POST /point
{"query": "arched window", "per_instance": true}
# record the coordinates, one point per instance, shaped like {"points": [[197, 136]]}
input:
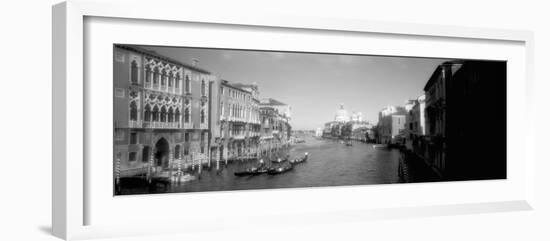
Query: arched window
{"points": [[133, 111], [170, 81], [147, 113], [203, 116], [203, 88], [156, 76], [163, 79], [187, 84], [134, 72], [186, 115], [187, 112], [163, 114], [177, 116], [170, 115], [178, 77], [156, 113], [148, 75]]}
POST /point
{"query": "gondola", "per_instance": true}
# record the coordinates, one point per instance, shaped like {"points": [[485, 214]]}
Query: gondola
{"points": [[279, 160], [299, 160], [261, 170], [247, 172], [279, 170]]}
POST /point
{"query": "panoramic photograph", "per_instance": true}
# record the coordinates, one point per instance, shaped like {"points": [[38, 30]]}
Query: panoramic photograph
{"points": [[190, 119]]}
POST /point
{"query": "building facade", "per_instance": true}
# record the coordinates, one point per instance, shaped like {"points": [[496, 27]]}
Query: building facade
{"points": [[415, 124], [391, 123], [275, 126], [466, 120], [161, 111], [239, 121]]}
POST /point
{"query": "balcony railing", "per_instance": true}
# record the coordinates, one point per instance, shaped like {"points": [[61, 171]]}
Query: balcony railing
{"points": [[148, 85], [203, 126], [135, 124], [177, 90], [161, 125], [188, 125]]}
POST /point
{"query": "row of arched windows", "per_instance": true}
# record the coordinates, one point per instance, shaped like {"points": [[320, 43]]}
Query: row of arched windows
{"points": [[164, 77], [155, 113], [239, 111]]}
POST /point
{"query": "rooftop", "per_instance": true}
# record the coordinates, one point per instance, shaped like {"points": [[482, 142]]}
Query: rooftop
{"points": [[154, 54], [234, 86], [271, 101]]}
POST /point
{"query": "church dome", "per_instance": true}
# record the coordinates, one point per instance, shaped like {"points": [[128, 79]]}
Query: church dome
{"points": [[341, 114]]}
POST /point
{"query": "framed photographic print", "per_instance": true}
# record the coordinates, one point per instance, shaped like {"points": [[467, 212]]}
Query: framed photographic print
{"points": [[204, 117]]}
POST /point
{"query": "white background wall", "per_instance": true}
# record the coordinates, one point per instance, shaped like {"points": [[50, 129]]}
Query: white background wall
{"points": [[25, 154]]}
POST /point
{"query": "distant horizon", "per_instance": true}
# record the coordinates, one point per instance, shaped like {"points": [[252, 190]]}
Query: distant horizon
{"points": [[315, 84]]}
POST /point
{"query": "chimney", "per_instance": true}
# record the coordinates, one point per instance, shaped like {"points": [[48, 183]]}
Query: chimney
{"points": [[194, 62]]}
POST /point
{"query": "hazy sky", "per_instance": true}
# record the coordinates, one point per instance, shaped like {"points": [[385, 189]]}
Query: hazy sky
{"points": [[314, 85]]}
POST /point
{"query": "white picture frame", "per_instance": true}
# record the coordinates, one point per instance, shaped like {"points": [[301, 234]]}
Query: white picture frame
{"points": [[72, 193]]}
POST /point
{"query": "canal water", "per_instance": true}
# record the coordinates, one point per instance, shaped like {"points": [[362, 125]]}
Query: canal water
{"points": [[330, 163]]}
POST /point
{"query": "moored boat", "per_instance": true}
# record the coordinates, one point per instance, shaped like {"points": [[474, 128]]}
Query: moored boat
{"points": [[280, 169], [279, 160], [299, 160], [247, 172], [380, 146]]}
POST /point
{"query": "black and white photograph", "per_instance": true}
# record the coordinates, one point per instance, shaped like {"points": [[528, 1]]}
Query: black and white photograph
{"points": [[190, 119]]}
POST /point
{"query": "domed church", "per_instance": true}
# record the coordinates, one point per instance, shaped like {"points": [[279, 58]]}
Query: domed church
{"points": [[342, 115]]}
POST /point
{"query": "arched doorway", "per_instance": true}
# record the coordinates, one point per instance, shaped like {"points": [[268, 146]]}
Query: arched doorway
{"points": [[162, 149]]}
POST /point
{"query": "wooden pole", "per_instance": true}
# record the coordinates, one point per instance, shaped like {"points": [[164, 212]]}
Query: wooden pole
{"points": [[170, 164], [218, 153]]}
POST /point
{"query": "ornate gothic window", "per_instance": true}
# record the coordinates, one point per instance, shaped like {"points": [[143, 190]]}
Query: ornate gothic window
{"points": [[155, 113], [133, 111], [203, 116], [147, 75], [170, 81], [177, 116], [187, 112], [163, 78], [187, 84], [134, 72], [178, 77], [203, 88], [147, 113], [163, 114], [170, 115], [156, 76]]}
